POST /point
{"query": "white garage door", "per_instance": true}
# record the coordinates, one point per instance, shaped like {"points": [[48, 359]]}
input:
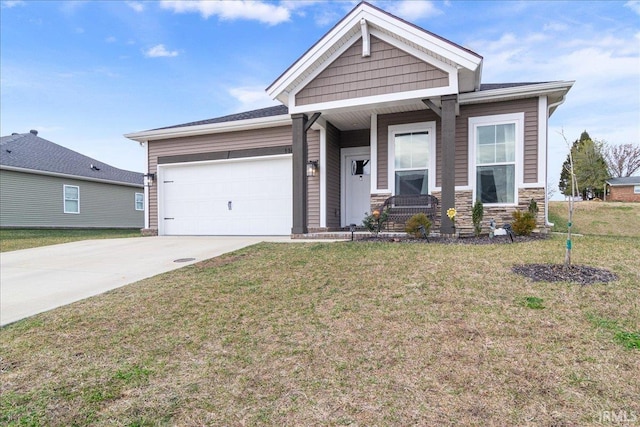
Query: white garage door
{"points": [[240, 197]]}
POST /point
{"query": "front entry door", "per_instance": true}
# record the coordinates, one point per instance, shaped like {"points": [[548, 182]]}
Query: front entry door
{"points": [[356, 173]]}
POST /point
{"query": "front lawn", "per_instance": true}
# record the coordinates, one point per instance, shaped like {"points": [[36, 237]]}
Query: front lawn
{"points": [[14, 239], [346, 333]]}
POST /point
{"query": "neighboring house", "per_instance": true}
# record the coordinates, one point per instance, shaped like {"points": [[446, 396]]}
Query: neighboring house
{"points": [[377, 107], [625, 189], [44, 185]]}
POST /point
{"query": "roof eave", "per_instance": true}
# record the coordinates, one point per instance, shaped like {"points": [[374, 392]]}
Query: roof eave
{"points": [[211, 128], [559, 88], [65, 175], [463, 57]]}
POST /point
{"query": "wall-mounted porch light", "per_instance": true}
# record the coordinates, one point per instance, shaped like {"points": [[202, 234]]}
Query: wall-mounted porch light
{"points": [[312, 167], [149, 178]]}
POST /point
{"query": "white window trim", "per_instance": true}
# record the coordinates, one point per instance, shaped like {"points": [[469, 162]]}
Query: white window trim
{"points": [[499, 119], [636, 189], [135, 201], [64, 199], [429, 127]]}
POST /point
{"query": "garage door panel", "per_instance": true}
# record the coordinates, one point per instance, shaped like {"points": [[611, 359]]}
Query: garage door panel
{"points": [[197, 198]]}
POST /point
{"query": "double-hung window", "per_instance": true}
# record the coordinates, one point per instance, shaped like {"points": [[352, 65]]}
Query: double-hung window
{"points": [[139, 201], [411, 150], [496, 141], [71, 199]]}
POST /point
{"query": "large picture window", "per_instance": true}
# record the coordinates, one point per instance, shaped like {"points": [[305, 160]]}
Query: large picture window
{"points": [[495, 144], [411, 163], [71, 199]]}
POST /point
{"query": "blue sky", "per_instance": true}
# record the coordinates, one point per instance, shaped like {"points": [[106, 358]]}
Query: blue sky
{"points": [[83, 73]]}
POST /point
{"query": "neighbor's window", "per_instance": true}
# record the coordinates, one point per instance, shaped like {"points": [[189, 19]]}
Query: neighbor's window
{"points": [[71, 199], [411, 163], [139, 201], [636, 189], [494, 144]]}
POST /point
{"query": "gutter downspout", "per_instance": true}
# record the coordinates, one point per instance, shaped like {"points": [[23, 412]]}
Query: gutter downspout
{"points": [[146, 188], [546, 193]]}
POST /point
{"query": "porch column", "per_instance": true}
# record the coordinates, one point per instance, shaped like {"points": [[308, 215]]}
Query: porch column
{"points": [[299, 151], [448, 178]]}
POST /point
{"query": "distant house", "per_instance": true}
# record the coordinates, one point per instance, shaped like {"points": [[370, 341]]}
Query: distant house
{"points": [[43, 184], [378, 107], [625, 189]]}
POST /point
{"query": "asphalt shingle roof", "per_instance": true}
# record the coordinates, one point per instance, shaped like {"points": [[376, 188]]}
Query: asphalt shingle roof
{"points": [[628, 180], [29, 151], [279, 110]]}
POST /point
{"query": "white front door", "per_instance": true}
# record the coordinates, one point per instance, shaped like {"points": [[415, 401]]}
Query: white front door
{"points": [[356, 179]]}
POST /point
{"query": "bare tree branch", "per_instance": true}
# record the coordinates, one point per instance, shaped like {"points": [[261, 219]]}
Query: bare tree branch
{"points": [[622, 160]]}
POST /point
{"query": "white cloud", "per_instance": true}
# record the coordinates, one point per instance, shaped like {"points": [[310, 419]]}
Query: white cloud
{"points": [[252, 97], [159, 51], [136, 5], [110, 39], [231, 10], [633, 5], [12, 3], [555, 27], [414, 9]]}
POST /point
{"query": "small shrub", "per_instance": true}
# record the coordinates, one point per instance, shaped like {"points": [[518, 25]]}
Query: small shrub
{"points": [[373, 222], [413, 225], [476, 216], [533, 208], [523, 223]]}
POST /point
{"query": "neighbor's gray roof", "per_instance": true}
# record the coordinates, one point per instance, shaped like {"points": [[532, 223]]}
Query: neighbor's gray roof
{"points": [[29, 151], [279, 110], [629, 180]]}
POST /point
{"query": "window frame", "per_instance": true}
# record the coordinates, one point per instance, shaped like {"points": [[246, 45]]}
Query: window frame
{"points": [[636, 189], [65, 199], [135, 201], [495, 120], [393, 130]]}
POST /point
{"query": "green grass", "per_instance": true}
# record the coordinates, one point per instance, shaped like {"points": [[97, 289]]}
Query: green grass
{"points": [[338, 334], [14, 239], [597, 218]]}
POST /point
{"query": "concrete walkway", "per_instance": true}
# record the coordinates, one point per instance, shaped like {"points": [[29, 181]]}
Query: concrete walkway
{"points": [[40, 279]]}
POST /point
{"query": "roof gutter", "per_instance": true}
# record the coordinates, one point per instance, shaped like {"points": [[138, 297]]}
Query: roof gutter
{"points": [[207, 129], [527, 91], [554, 105], [64, 175]]}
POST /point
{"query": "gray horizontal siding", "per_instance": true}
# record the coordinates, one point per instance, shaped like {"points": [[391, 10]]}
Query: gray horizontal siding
{"points": [[387, 70], [313, 183], [30, 200]]}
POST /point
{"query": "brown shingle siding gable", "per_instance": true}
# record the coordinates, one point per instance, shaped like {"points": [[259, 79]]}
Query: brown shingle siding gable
{"points": [[387, 70]]}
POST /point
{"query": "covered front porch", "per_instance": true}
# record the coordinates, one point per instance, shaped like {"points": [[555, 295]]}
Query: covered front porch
{"points": [[347, 165]]}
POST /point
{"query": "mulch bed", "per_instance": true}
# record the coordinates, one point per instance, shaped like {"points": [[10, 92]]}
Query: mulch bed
{"points": [[462, 240], [581, 274]]}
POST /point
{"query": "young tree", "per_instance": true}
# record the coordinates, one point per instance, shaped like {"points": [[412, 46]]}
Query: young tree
{"points": [[622, 160], [589, 166], [574, 186]]}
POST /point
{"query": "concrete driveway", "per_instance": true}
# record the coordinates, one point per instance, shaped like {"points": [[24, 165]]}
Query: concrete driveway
{"points": [[40, 279]]}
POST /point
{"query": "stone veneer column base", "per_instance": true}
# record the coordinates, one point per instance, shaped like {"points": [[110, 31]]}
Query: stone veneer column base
{"points": [[149, 232], [377, 200]]}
